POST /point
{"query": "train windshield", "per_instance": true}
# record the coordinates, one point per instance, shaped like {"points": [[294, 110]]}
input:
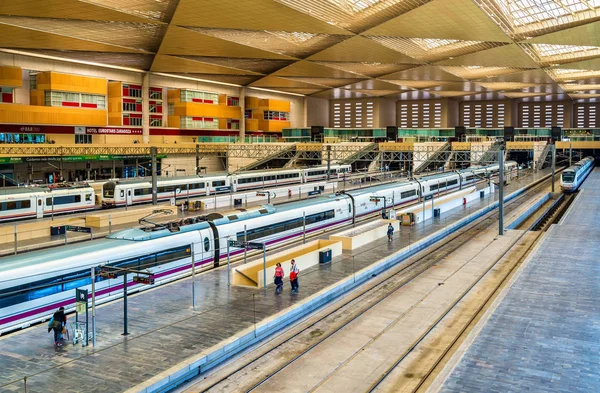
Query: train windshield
{"points": [[568, 177], [108, 190]]}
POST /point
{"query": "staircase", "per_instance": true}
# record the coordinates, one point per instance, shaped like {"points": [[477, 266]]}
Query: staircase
{"points": [[289, 153], [436, 160], [369, 152], [543, 156], [491, 155]]}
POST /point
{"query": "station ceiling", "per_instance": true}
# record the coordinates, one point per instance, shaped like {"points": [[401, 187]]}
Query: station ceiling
{"points": [[399, 49]]}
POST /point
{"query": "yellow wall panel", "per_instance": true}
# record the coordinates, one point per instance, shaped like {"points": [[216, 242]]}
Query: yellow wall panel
{"points": [[251, 124], [115, 119], [272, 125], [274, 105], [174, 121], [71, 83], [11, 76], [222, 124], [115, 90], [251, 103], [207, 110], [115, 105], [36, 97], [28, 114], [173, 95]]}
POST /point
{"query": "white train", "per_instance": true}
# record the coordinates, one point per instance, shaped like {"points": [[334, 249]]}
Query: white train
{"points": [[33, 285], [130, 192], [17, 203], [573, 176]]}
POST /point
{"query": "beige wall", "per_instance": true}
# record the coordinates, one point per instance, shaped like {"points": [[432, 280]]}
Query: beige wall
{"points": [[387, 112], [318, 112]]}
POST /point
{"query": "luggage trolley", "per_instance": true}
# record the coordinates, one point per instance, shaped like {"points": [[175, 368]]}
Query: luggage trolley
{"points": [[79, 332]]}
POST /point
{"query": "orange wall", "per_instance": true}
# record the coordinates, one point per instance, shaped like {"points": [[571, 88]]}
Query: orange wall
{"points": [[274, 105], [71, 83], [11, 76], [251, 103], [26, 114], [251, 124], [36, 97], [272, 125], [207, 110]]}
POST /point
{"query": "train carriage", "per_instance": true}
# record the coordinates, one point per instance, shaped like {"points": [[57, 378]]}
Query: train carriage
{"points": [[573, 176]]}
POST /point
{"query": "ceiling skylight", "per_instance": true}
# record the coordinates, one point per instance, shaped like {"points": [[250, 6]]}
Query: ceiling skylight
{"points": [[355, 6], [549, 50], [568, 74]]}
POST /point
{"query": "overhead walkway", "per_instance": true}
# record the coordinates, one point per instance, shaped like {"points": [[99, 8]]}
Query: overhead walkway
{"points": [[279, 159], [491, 155]]}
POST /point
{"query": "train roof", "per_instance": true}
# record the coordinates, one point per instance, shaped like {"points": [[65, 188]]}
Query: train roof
{"points": [[32, 190], [33, 258]]}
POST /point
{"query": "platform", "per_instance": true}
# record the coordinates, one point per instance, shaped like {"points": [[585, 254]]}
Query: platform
{"points": [[165, 331], [542, 333]]}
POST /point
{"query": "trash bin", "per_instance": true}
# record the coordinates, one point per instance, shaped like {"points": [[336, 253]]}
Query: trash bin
{"points": [[325, 256], [237, 202], [58, 230], [436, 212]]}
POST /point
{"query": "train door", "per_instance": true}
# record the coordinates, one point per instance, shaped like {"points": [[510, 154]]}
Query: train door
{"points": [[129, 196], [39, 207], [234, 185]]}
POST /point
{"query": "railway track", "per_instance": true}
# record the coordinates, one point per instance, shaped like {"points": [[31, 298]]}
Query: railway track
{"points": [[273, 359]]}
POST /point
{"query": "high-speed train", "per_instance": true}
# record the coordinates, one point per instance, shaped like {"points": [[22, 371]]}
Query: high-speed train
{"points": [[122, 192], [17, 203], [34, 284], [573, 176]]}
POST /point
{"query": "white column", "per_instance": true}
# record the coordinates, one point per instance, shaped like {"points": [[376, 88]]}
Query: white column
{"points": [[243, 111], [146, 108]]}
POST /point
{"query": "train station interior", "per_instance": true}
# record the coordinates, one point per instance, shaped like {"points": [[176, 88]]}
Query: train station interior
{"points": [[189, 146]]}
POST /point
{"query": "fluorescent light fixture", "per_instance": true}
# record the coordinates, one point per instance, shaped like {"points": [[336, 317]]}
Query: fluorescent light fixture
{"points": [[67, 60], [194, 79], [276, 91]]}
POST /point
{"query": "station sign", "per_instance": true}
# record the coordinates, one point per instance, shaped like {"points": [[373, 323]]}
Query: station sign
{"points": [[428, 197], [81, 300], [106, 273], [143, 280], [261, 194], [247, 245], [75, 228], [316, 192], [223, 188]]}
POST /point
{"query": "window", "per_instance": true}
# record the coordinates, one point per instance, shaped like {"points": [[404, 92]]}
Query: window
{"points": [[233, 124], [233, 101], [132, 119], [199, 123], [13, 205], [63, 200], [270, 230], [6, 95], [88, 197], [93, 101], [156, 121], [83, 139], [132, 91], [171, 109], [22, 138], [206, 244], [407, 194], [142, 191], [248, 114], [155, 107], [155, 93], [274, 115], [218, 183], [61, 98], [199, 97]]}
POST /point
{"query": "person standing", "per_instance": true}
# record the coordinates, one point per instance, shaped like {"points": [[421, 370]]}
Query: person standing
{"points": [[279, 274], [294, 271], [390, 232], [58, 323]]}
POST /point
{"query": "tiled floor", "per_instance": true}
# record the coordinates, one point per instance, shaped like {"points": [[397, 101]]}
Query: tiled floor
{"points": [[545, 334]]}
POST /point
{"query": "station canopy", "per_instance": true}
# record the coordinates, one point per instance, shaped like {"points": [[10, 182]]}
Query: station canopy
{"points": [[399, 49]]}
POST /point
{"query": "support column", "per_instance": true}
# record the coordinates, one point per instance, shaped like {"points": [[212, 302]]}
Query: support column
{"points": [[154, 176], [305, 112], [146, 108], [243, 112]]}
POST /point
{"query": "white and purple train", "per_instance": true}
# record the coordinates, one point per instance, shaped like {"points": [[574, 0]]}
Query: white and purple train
{"points": [[573, 176], [34, 284]]}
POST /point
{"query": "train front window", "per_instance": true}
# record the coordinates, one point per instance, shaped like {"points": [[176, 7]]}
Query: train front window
{"points": [[568, 177], [108, 190]]}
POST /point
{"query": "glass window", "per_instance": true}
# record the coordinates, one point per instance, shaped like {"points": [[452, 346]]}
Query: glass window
{"points": [[206, 244]]}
